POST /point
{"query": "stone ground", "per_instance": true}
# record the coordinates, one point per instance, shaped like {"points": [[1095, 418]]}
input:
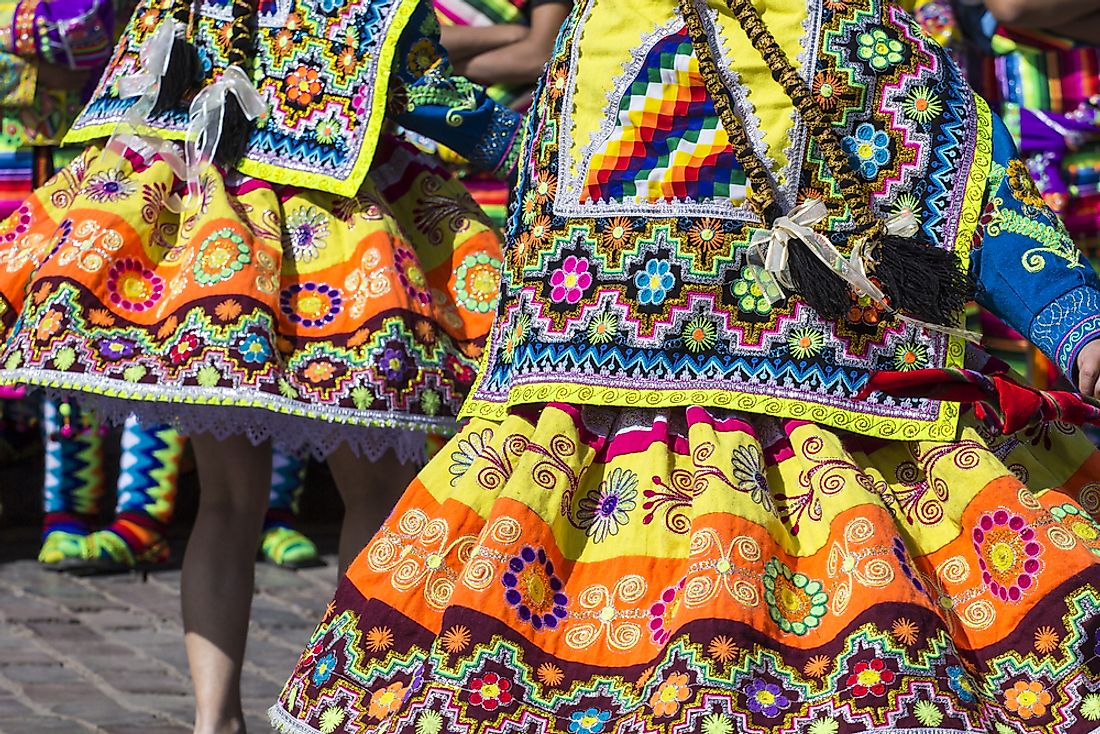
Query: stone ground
{"points": [[105, 654]]}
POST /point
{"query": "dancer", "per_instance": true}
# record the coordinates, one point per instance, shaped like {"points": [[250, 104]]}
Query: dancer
{"points": [[708, 485], [298, 276]]}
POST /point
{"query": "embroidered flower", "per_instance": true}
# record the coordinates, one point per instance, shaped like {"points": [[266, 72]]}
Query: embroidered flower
{"points": [[868, 149], [603, 328], [477, 282], [717, 724], [533, 590], [723, 649], [539, 230], [870, 678], [1027, 699], [864, 311], [766, 698], [1046, 640], [183, 348], [558, 82], [385, 701], [311, 304], [589, 721], [879, 49], [753, 295], [828, 88], [303, 85], [795, 602], [331, 718], [16, 224], [456, 639], [132, 286], [928, 713], [322, 671], [347, 61], [412, 276], [1079, 523], [654, 282], [699, 334], [569, 282], [959, 682], [817, 666], [255, 349], [670, 694], [329, 6], [605, 509], [319, 371], [1008, 553], [48, 325], [910, 355], [617, 234], [907, 204], [922, 105], [220, 255], [1090, 707], [305, 232], [490, 691], [394, 363], [108, 186], [550, 675], [116, 348], [824, 725], [463, 373], [707, 236], [904, 631], [806, 342], [663, 612], [430, 402], [545, 186], [747, 467], [422, 56]]}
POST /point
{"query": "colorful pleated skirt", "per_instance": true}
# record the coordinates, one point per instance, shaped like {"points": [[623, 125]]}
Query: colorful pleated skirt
{"points": [[601, 570], [248, 308]]}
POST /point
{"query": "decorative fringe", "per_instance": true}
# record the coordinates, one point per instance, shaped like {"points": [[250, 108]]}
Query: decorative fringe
{"points": [[184, 73], [236, 131], [922, 280], [821, 289]]}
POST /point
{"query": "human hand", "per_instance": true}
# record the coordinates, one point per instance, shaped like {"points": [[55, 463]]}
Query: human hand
{"points": [[1088, 369]]}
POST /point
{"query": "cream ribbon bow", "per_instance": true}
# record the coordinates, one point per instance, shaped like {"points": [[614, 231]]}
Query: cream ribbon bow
{"points": [[204, 131], [771, 245]]}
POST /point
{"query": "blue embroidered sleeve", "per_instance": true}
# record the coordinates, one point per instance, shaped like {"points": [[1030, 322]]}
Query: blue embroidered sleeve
{"points": [[451, 109], [1027, 269]]}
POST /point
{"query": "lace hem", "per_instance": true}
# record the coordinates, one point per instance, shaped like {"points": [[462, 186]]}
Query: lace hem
{"points": [[292, 434]]}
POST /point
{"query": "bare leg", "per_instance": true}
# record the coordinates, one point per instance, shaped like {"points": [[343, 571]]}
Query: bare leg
{"points": [[369, 492], [218, 573]]}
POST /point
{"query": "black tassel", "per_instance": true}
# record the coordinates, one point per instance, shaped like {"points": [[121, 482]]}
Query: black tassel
{"points": [[183, 74], [236, 131], [819, 287], [922, 280]]}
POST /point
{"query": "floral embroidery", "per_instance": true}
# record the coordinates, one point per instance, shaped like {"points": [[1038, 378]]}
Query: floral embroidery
{"points": [[1008, 553], [870, 678], [795, 602], [605, 509], [654, 282], [589, 721], [754, 294], [311, 304], [221, 255], [669, 695], [1027, 699], [477, 282], [766, 698], [533, 590], [868, 149], [879, 49], [490, 691], [569, 282], [305, 233]]}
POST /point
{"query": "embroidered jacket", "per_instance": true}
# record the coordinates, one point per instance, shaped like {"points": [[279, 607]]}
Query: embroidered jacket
{"points": [[326, 68], [627, 279]]}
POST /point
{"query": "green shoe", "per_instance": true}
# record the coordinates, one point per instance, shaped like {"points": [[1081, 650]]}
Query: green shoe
{"points": [[105, 551], [61, 550], [288, 548]]}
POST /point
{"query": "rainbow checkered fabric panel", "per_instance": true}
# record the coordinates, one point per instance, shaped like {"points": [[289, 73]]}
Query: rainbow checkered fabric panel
{"points": [[668, 143]]}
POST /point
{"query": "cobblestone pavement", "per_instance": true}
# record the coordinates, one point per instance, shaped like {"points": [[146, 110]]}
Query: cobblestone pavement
{"points": [[105, 654]]}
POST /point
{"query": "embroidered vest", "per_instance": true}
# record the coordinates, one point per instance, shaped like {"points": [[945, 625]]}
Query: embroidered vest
{"points": [[318, 66], [628, 279]]}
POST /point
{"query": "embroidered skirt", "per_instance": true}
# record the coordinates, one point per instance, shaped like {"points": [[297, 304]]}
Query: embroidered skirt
{"points": [[276, 312], [599, 570]]}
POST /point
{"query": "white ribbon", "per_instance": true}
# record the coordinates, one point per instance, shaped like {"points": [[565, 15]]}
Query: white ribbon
{"points": [[204, 131], [771, 247], [902, 224], [132, 131]]}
